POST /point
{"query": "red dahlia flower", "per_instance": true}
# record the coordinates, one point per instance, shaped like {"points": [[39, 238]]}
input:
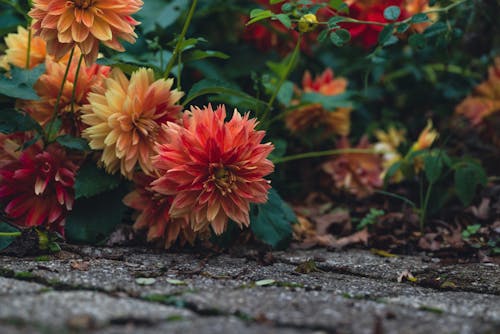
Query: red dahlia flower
{"points": [[214, 169], [152, 213], [37, 189]]}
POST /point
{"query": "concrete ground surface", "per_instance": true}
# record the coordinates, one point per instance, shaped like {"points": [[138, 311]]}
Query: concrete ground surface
{"points": [[133, 290]]}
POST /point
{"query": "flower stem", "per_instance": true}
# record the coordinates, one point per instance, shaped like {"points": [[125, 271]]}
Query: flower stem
{"points": [[423, 210], [28, 51], [10, 234], [58, 100], [75, 82], [177, 48], [282, 79], [317, 154]]}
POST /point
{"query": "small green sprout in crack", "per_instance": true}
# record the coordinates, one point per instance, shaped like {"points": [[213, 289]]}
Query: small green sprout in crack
{"points": [[24, 275], [431, 309]]}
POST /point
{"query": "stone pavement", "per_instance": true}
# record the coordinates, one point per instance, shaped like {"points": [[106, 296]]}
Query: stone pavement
{"points": [[134, 290]]}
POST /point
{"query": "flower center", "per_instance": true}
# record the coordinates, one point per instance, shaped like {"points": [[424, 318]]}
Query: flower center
{"points": [[82, 4], [46, 167], [147, 127], [222, 178]]}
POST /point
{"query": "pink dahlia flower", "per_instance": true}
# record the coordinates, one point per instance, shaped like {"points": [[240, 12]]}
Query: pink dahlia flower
{"points": [[66, 23], [37, 189], [152, 213], [214, 169]]}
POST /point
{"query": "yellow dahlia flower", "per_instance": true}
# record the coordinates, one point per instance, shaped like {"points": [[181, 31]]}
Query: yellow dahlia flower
{"points": [[125, 118], [17, 50], [66, 23]]}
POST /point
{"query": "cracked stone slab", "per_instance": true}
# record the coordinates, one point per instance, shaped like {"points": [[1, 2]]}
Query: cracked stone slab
{"points": [[83, 310], [325, 311], [9, 286], [477, 277], [205, 325]]}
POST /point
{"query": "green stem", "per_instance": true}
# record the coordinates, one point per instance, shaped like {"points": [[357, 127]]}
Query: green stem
{"points": [[282, 79], [58, 100], [423, 212], [317, 154], [402, 198], [10, 234], [28, 51], [177, 48], [75, 83]]}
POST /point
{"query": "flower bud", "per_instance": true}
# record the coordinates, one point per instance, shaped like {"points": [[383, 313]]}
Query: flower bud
{"points": [[308, 23]]}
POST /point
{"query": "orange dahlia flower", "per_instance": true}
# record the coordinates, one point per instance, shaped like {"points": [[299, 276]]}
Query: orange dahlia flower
{"points": [[313, 116], [17, 50], [66, 23], [358, 173], [485, 100], [124, 119], [152, 213], [48, 86], [214, 169], [37, 189]]}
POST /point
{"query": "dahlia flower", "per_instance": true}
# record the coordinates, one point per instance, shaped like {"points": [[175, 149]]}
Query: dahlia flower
{"points": [[66, 23], [17, 50], [387, 146], [124, 119], [313, 116], [37, 189], [358, 173], [214, 169], [48, 86], [485, 100]]}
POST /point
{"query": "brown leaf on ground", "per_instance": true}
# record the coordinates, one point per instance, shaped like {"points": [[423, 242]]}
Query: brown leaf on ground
{"points": [[360, 237], [79, 265], [406, 276], [481, 211]]}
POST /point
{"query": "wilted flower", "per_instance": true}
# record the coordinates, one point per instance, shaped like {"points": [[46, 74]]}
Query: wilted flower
{"points": [[426, 137], [313, 115], [214, 169], [152, 213], [387, 146], [124, 119], [357, 173], [66, 23], [37, 189], [485, 100], [49, 85], [17, 50]]}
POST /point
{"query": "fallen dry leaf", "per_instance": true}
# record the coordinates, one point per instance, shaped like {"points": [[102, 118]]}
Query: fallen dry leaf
{"points": [[79, 265], [406, 276], [360, 237]]}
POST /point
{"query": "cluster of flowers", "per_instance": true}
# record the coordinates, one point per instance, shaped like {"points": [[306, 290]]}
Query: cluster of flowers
{"points": [[193, 170], [358, 173], [275, 36]]}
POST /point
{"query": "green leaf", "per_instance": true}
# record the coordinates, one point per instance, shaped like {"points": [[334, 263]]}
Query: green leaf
{"points": [[323, 35], [12, 121], [285, 93], [417, 41], [419, 18], [265, 282], [392, 40], [339, 6], [436, 29], [340, 37], [280, 146], [467, 178], [285, 20], [162, 13], [20, 83], [392, 13], [92, 180], [73, 143], [335, 20], [271, 221], [6, 241], [93, 219], [385, 34], [273, 2], [212, 86], [259, 15], [433, 166], [193, 55], [402, 28]]}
